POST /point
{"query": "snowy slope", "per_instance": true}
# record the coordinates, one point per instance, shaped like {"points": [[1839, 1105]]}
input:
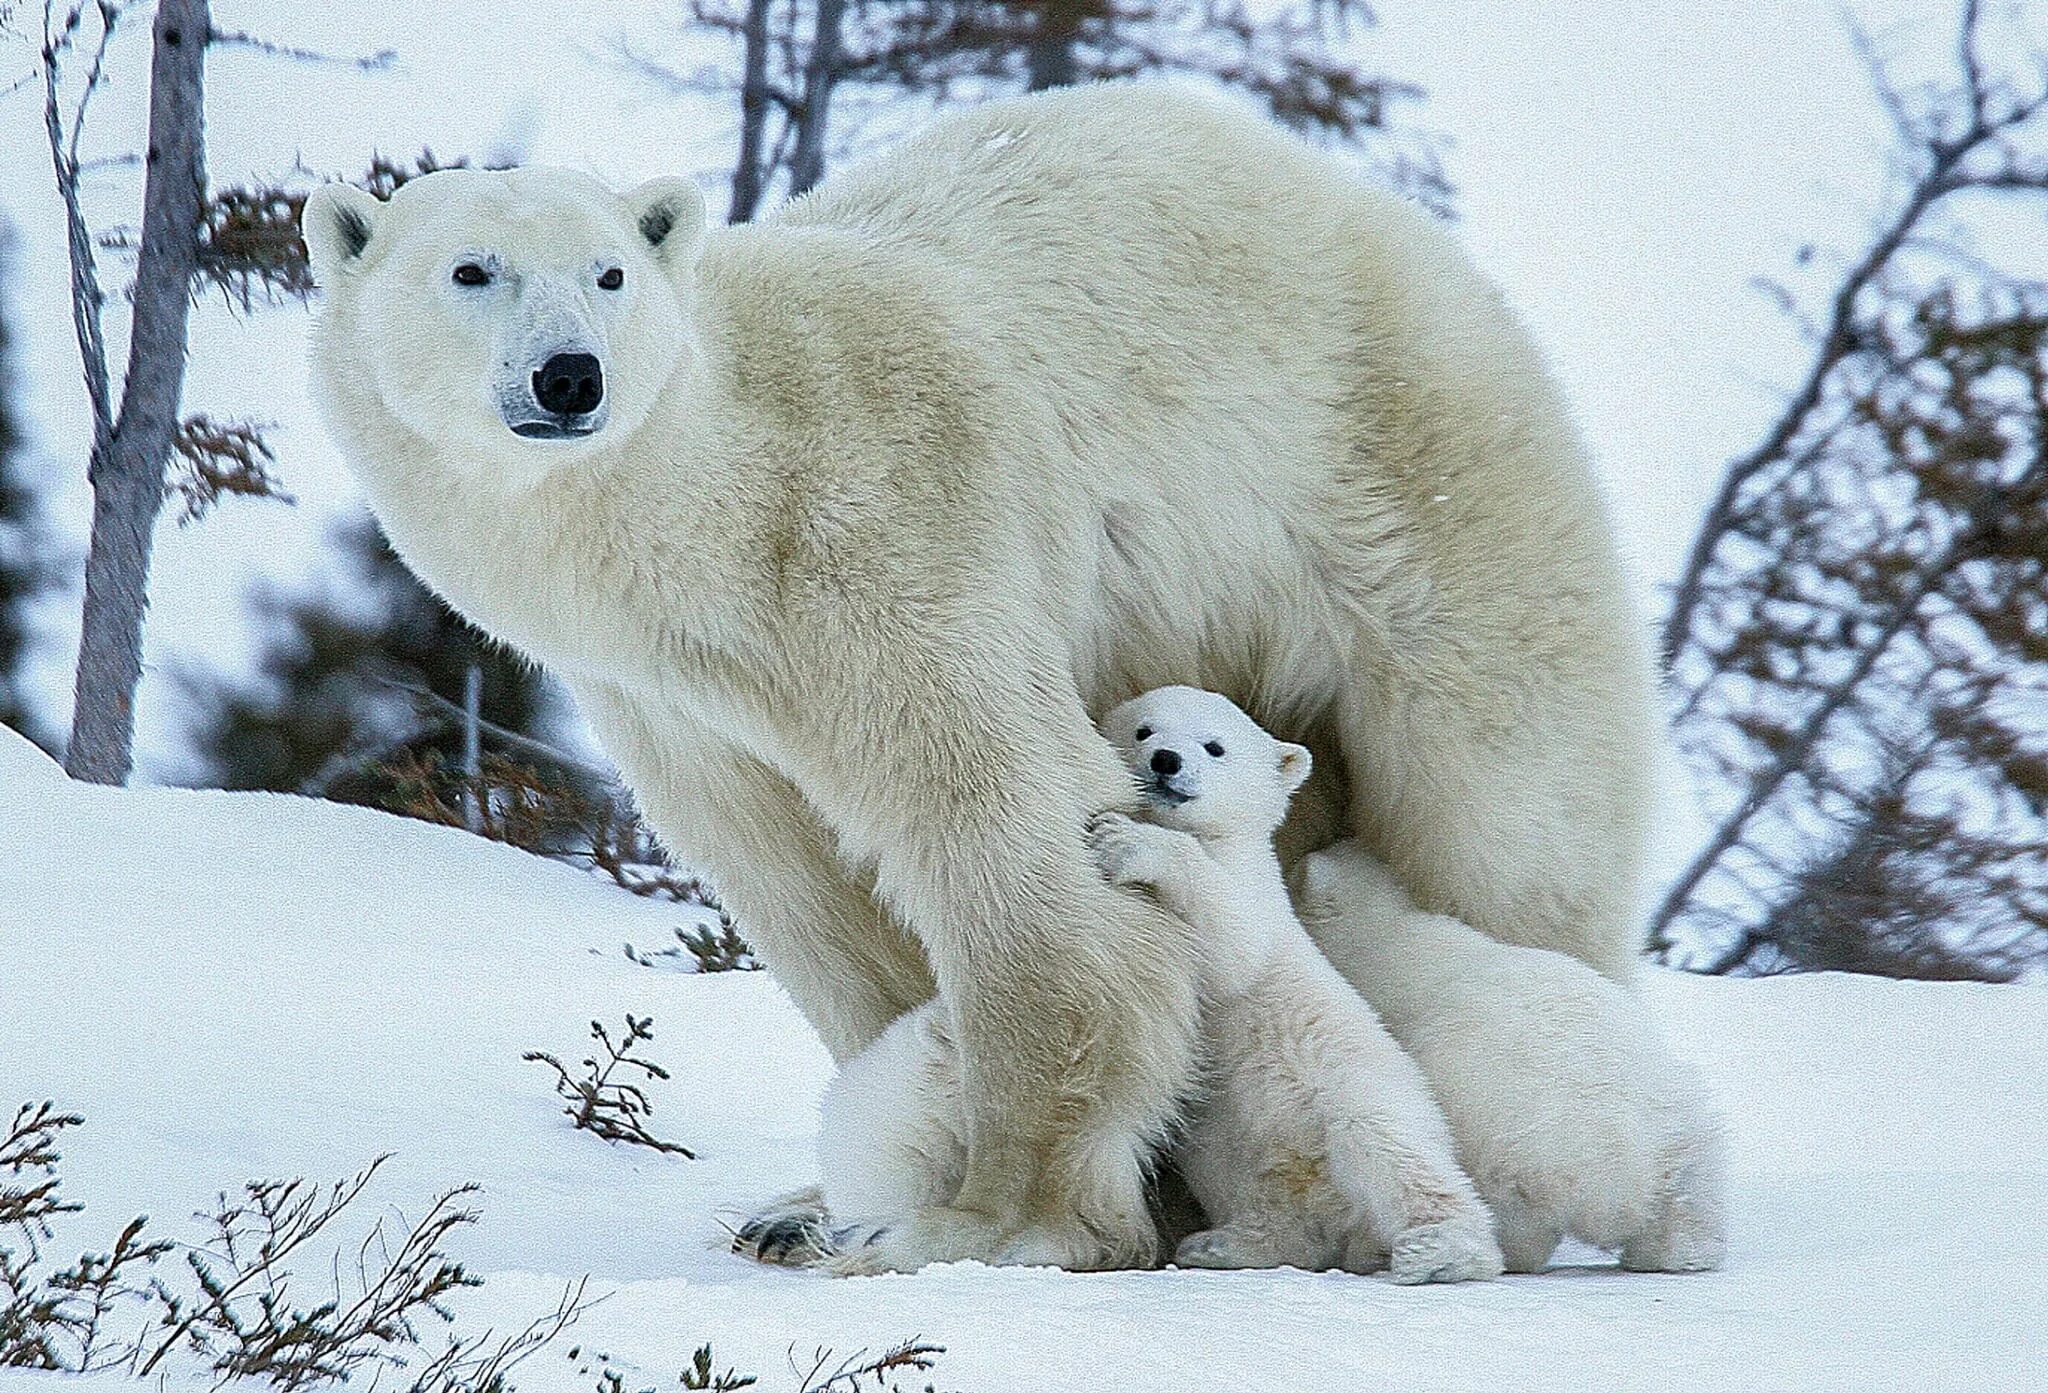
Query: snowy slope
{"points": [[241, 985]]}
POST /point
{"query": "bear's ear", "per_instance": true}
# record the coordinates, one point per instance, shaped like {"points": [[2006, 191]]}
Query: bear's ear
{"points": [[669, 213], [1295, 763], [337, 223]]}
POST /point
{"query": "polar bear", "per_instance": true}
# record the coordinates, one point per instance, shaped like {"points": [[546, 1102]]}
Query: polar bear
{"points": [[1571, 1115], [842, 526], [1314, 1141]]}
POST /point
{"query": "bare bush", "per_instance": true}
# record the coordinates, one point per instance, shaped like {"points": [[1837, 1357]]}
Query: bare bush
{"points": [[242, 1323], [216, 459], [705, 948], [877, 1373], [609, 1107], [827, 1372], [1859, 637], [238, 1318], [526, 806], [57, 1320]]}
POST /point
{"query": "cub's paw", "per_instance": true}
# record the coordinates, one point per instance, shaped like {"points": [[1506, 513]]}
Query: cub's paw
{"points": [[1131, 852], [1456, 1250], [1677, 1248]]}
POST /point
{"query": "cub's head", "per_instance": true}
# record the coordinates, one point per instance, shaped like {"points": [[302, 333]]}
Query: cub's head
{"points": [[515, 318], [1202, 765]]}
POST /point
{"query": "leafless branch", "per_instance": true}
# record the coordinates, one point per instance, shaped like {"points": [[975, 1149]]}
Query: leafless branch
{"points": [[379, 61]]}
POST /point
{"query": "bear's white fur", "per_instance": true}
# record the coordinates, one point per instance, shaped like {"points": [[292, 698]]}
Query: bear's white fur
{"points": [[1571, 1115], [1314, 1142], [1064, 399]]}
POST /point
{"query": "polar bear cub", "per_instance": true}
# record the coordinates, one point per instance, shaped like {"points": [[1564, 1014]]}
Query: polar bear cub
{"points": [[1570, 1114], [1315, 1143]]}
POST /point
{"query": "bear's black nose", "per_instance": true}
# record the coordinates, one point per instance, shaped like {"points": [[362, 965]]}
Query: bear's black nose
{"points": [[1165, 762], [569, 384]]}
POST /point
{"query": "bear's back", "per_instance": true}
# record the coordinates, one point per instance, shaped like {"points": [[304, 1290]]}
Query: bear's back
{"points": [[1140, 212], [1113, 160]]}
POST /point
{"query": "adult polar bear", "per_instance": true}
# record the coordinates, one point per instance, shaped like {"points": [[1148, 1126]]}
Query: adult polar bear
{"points": [[842, 525]]}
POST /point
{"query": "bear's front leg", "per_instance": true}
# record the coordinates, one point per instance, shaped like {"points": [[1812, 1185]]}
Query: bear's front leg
{"points": [[820, 933], [1072, 1002]]}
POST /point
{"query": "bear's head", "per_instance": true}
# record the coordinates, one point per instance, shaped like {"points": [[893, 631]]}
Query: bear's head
{"points": [[510, 319], [1203, 765]]}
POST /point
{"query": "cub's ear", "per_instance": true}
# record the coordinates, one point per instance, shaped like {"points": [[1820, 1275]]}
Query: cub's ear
{"points": [[1295, 763], [669, 213], [337, 223]]}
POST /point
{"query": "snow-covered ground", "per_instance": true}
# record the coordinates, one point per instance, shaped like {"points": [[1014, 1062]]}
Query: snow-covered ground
{"points": [[231, 986]]}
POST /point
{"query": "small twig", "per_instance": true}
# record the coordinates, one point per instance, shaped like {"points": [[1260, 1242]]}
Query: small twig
{"points": [[910, 1356], [379, 61], [602, 1106], [442, 706]]}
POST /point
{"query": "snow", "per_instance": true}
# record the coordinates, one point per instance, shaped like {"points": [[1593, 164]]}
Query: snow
{"points": [[230, 986]]}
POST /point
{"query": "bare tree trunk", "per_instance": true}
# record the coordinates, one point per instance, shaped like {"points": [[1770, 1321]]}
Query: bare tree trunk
{"points": [[821, 75], [1049, 59], [127, 474], [750, 176]]}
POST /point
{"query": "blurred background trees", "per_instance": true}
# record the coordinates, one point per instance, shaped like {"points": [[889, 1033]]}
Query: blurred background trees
{"points": [[27, 569], [1858, 640], [814, 79], [367, 674]]}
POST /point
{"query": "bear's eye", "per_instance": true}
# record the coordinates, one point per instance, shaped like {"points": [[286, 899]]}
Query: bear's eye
{"points": [[1214, 748], [612, 279], [1142, 733], [469, 273]]}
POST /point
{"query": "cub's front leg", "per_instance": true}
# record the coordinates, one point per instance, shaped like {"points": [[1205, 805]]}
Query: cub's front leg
{"points": [[1130, 852], [1233, 937]]}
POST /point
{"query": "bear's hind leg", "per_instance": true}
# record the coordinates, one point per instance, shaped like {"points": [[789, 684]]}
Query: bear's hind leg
{"points": [[1512, 800]]}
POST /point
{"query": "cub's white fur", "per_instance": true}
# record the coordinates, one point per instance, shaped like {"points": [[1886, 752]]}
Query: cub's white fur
{"points": [[890, 492], [1571, 1115], [1314, 1142]]}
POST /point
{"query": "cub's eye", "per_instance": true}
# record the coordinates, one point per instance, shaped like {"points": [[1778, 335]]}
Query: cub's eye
{"points": [[469, 273], [1214, 748], [612, 279], [1142, 733]]}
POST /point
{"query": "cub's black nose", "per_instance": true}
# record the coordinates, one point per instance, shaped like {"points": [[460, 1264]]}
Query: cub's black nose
{"points": [[569, 384], [1165, 762]]}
